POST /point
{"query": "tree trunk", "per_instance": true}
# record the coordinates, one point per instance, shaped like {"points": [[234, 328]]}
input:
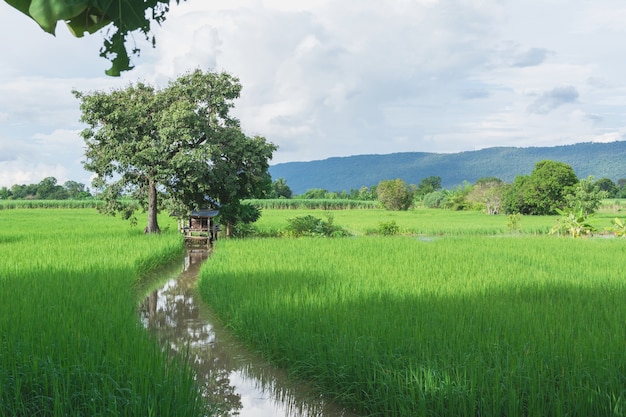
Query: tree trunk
{"points": [[153, 225]]}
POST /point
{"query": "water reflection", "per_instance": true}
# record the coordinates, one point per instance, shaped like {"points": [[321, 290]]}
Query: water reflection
{"points": [[233, 379]]}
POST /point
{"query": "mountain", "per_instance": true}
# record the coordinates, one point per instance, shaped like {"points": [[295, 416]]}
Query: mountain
{"points": [[602, 160]]}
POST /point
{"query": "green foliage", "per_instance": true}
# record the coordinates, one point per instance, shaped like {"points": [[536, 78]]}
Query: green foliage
{"points": [[180, 140], [586, 195], [389, 228], [362, 194], [280, 189], [428, 185], [456, 199], [315, 194], [619, 227], [543, 191], [89, 16], [435, 199], [607, 185], [395, 194], [514, 222], [46, 189], [573, 221], [312, 226]]}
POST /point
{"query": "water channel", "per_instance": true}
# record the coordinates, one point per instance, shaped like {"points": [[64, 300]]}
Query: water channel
{"points": [[234, 380]]}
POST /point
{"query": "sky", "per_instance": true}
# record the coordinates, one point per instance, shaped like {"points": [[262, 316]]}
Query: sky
{"points": [[328, 78]]}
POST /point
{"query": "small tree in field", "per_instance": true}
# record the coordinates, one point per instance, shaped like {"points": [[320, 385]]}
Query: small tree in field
{"points": [[587, 195], [573, 222], [543, 191], [395, 194]]}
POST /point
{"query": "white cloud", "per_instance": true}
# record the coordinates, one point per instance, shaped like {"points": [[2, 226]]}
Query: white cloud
{"points": [[323, 78]]}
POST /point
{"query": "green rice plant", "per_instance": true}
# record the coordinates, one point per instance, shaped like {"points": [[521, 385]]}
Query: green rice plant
{"points": [[419, 221], [316, 204], [453, 326], [40, 204], [71, 343]]}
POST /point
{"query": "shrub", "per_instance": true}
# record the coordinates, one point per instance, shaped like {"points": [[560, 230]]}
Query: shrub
{"points": [[395, 194], [389, 228], [619, 228], [573, 221], [436, 199], [513, 222], [312, 226]]}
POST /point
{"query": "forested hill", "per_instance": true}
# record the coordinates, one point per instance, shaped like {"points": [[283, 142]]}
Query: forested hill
{"points": [[602, 160]]}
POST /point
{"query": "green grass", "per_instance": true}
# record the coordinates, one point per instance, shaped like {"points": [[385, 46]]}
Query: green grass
{"points": [[71, 343], [47, 204], [454, 326], [423, 221], [323, 204]]}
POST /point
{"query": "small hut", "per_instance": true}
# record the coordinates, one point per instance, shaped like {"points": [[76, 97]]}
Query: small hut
{"points": [[200, 228]]}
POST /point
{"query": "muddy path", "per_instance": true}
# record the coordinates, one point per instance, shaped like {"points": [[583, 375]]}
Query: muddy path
{"points": [[236, 381]]}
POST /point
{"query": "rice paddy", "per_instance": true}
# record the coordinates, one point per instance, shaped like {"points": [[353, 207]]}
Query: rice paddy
{"points": [[444, 326], [71, 343], [457, 315]]}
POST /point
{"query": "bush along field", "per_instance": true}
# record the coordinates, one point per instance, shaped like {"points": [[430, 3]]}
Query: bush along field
{"points": [[71, 343], [440, 326]]}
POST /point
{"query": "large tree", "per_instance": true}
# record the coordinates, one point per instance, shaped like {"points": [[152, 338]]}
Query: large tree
{"points": [[89, 16], [428, 185], [179, 140], [543, 191]]}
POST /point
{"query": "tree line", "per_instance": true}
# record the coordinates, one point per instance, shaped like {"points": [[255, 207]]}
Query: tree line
{"points": [[551, 186], [46, 189]]}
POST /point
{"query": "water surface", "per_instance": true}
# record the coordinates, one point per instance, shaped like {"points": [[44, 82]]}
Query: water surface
{"points": [[236, 381]]}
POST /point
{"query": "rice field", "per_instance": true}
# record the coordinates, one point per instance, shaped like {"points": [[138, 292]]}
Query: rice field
{"points": [[420, 221], [71, 343], [48, 204], [426, 222], [458, 315], [435, 326]]}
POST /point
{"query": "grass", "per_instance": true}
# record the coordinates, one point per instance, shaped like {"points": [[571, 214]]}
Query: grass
{"points": [[423, 221], [457, 325], [70, 339], [323, 204], [48, 204]]}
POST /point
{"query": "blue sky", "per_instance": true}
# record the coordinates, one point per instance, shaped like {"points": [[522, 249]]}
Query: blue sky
{"points": [[326, 78]]}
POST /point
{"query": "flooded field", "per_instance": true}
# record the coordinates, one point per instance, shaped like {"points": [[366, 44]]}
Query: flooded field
{"points": [[234, 380]]}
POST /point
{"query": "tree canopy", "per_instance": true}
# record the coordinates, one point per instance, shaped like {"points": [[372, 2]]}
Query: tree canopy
{"points": [[180, 141], [395, 194], [543, 191], [428, 185], [46, 189], [89, 16]]}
